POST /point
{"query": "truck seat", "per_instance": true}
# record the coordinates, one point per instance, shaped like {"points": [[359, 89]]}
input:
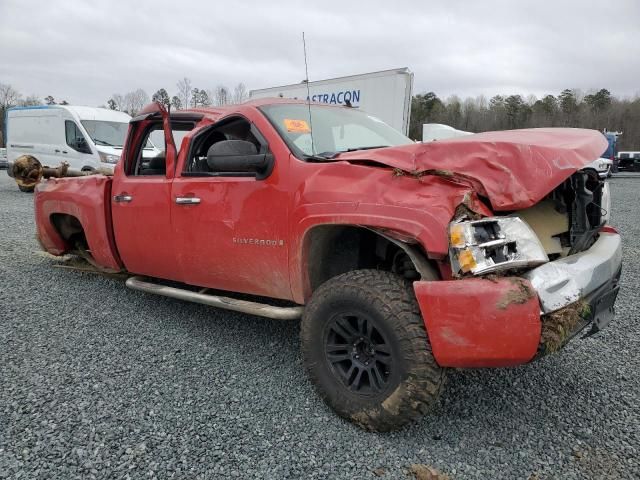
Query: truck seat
{"points": [[157, 166]]}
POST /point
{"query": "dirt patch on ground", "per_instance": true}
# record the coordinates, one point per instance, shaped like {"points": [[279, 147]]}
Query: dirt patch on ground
{"points": [[519, 295], [598, 462], [425, 472]]}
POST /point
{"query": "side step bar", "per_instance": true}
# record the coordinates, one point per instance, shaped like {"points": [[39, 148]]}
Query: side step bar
{"points": [[244, 306]]}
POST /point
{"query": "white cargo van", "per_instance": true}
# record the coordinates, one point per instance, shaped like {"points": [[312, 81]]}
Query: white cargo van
{"points": [[85, 137]]}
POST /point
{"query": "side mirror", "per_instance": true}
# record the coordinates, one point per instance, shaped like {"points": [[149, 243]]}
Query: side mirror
{"points": [[239, 156]]}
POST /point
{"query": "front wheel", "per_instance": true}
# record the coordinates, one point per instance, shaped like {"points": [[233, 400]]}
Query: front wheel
{"points": [[366, 350]]}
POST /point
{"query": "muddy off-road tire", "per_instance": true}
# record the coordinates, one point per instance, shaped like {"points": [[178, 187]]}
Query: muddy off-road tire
{"points": [[366, 350]]}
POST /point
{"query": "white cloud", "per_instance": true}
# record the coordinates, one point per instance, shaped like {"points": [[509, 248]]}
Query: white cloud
{"points": [[85, 51]]}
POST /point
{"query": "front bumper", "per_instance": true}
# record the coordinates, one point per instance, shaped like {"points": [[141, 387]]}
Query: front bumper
{"points": [[504, 321], [567, 280]]}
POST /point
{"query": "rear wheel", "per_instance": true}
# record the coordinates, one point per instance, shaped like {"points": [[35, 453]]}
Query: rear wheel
{"points": [[366, 350]]}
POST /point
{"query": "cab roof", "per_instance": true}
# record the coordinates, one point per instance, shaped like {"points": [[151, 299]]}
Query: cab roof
{"points": [[255, 103]]}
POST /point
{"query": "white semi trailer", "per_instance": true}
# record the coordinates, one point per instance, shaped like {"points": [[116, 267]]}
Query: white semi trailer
{"points": [[385, 94]]}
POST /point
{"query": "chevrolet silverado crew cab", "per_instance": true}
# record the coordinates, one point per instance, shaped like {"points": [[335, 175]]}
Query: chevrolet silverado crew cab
{"points": [[403, 259]]}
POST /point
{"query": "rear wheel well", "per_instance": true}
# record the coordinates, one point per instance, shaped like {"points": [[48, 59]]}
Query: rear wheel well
{"points": [[70, 230], [336, 249]]}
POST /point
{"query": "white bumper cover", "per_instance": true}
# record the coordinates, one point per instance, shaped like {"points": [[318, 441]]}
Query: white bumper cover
{"points": [[564, 281]]}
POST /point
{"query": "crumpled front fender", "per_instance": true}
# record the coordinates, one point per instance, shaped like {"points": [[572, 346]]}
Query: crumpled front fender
{"points": [[479, 322]]}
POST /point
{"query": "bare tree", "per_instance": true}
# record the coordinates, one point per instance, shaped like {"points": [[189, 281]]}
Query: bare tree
{"points": [[30, 101], [135, 100], [184, 91], [118, 101], [9, 96], [221, 95], [240, 93]]}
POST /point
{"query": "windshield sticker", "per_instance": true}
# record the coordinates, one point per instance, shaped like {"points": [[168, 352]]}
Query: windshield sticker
{"points": [[296, 126]]}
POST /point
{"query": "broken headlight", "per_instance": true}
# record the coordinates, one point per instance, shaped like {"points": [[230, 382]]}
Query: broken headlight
{"points": [[493, 243]]}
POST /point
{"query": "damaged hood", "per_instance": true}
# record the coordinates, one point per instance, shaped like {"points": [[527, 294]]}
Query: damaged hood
{"points": [[514, 169]]}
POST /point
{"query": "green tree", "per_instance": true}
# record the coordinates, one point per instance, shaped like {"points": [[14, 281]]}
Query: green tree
{"points": [[498, 112], [204, 98], [161, 96], [176, 103], [425, 108], [111, 104], [516, 110], [195, 97], [453, 111], [49, 100], [568, 101], [568, 106], [549, 105], [427, 102], [599, 101]]}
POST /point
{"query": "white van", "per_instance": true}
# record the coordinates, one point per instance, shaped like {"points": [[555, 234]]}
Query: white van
{"points": [[85, 137]]}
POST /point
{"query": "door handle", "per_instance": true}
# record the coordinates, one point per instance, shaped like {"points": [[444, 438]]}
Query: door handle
{"points": [[57, 151], [64, 151], [187, 200], [123, 198]]}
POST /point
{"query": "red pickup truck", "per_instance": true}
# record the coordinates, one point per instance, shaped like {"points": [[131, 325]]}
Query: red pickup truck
{"points": [[401, 258]]}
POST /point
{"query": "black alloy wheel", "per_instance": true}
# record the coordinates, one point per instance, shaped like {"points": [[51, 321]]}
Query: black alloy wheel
{"points": [[365, 348], [359, 353]]}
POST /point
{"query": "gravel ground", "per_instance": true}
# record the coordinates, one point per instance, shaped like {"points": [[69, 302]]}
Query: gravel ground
{"points": [[98, 381]]}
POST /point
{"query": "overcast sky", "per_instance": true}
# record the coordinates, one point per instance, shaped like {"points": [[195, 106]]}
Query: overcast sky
{"points": [[84, 51]]}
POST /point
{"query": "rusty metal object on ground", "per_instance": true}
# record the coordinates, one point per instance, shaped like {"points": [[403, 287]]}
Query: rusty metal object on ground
{"points": [[28, 172]]}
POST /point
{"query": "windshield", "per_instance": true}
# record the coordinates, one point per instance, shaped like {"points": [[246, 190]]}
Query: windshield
{"points": [[109, 134], [335, 130]]}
